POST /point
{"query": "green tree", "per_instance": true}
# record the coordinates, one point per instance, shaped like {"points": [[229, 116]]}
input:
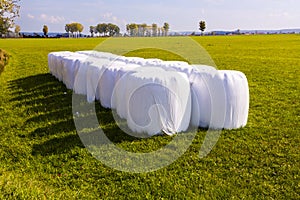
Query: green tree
{"points": [[92, 30], [45, 30], [154, 30], [113, 29], [143, 28], [72, 28], [132, 29], [159, 31], [128, 29], [68, 28], [79, 28], [9, 11], [102, 29], [96, 31], [202, 26], [17, 29], [166, 28]]}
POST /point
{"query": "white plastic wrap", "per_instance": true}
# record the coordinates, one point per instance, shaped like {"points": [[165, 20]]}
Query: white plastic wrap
{"points": [[55, 63], [155, 95], [237, 98], [220, 99], [70, 66], [98, 54], [112, 73], [95, 71], [208, 97], [153, 100]]}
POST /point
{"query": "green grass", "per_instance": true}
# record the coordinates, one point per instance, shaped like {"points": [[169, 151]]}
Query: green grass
{"points": [[41, 155]]}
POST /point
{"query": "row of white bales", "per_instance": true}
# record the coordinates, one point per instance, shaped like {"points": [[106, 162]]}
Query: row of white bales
{"points": [[153, 95]]}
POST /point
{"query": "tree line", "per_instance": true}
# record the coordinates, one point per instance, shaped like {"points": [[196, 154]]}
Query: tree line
{"points": [[104, 29], [143, 30], [110, 30], [9, 11], [74, 29]]}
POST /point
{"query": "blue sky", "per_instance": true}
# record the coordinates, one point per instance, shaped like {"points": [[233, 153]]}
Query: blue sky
{"points": [[182, 15]]}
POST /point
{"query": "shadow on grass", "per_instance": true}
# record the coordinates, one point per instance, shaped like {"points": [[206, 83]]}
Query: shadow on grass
{"points": [[48, 107]]}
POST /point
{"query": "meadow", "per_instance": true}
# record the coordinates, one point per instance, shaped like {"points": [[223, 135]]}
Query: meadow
{"points": [[42, 156]]}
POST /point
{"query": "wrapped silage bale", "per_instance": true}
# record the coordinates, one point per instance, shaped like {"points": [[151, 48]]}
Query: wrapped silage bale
{"points": [[208, 98], [106, 83], [108, 80], [119, 73], [52, 59], [237, 98], [80, 82], [140, 61], [83, 78], [220, 99], [70, 68], [98, 54], [152, 62], [55, 63], [95, 71], [130, 60], [154, 100], [178, 66]]}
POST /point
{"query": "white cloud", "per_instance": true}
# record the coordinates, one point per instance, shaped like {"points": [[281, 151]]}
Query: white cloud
{"points": [[215, 2], [91, 20], [109, 17], [30, 16], [52, 19], [280, 15]]}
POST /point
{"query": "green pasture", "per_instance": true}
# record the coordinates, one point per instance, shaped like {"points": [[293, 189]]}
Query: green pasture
{"points": [[42, 157]]}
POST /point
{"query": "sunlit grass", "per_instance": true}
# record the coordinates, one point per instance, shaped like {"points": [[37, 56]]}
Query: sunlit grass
{"points": [[41, 155]]}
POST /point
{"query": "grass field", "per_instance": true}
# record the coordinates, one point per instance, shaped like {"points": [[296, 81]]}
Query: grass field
{"points": [[41, 155]]}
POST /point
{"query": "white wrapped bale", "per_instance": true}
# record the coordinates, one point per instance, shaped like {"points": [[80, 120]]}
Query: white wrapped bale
{"points": [[85, 81], [98, 54], [153, 100], [220, 99], [208, 99], [140, 61], [237, 98], [70, 68], [130, 60], [94, 73], [112, 73], [178, 66], [80, 83], [152, 62], [106, 83], [55, 63]]}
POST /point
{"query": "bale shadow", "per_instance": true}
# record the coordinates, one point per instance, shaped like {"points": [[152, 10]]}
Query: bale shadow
{"points": [[48, 106], [57, 146]]}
